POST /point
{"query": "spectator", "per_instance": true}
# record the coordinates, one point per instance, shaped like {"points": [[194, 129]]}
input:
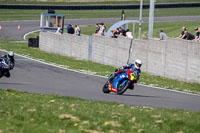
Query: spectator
{"points": [[77, 30], [50, 24], [122, 32], [97, 28], [71, 29], [197, 37], [163, 35], [182, 33], [188, 36], [114, 33], [102, 29], [67, 28], [129, 34]]}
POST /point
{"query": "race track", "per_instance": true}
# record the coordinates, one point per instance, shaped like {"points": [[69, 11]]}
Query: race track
{"points": [[33, 76]]}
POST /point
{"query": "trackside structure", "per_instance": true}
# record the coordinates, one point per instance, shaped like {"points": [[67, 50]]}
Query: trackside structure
{"points": [[173, 58]]}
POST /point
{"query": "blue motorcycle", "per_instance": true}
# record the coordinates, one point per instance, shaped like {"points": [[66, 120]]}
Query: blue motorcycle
{"points": [[120, 83]]}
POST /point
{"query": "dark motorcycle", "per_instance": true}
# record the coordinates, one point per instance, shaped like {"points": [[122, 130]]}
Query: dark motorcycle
{"points": [[6, 64]]}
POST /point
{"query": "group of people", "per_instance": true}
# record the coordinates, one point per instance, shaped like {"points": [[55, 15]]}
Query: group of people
{"points": [[121, 32], [73, 30], [188, 36], [184, 35], [100, 29]]}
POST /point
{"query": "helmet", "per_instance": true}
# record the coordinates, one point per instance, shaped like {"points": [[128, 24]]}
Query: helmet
{"points": [[138, 64], [10, 54]]}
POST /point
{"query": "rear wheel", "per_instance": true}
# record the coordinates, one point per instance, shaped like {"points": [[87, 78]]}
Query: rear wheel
{"points": [[122, 87]]}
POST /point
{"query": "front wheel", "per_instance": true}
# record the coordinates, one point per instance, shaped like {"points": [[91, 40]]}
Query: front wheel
{"points": [[106, 88], [7, 74], [123, 86]]}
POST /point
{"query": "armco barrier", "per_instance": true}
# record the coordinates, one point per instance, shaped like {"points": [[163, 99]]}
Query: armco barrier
{"points": [[174, 58]]}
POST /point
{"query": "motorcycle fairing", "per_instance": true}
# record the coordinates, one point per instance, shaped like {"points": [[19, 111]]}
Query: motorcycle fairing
{"points": [[113, 87]]}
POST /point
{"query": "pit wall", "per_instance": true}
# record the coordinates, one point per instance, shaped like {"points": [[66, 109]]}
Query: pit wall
{"points": [[174, 58]]}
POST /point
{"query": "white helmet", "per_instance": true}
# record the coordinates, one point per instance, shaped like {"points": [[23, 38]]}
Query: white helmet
{"points": [[138, 63], [10, 54]]}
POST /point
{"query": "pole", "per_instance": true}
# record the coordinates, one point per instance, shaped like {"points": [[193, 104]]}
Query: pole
{"points": [[151, 18], [140, 24], [133, 30]]}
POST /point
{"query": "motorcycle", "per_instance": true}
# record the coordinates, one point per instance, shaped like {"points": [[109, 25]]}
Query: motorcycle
{"points": [[120, 83], [5, 67]]}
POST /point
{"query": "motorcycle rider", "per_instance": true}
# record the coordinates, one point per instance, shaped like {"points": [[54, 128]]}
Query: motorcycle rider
{"points": [[135, 67], [9, 61]]}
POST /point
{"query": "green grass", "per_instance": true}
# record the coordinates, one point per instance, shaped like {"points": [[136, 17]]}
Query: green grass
{"points": [[15, 14], [23, 112], [32, 35], [111, 2]]}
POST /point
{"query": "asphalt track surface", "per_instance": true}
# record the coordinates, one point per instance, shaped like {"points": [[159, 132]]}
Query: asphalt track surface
{"points": [[33, 76]]}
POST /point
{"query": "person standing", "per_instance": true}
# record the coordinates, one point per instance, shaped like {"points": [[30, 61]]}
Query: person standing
{"points": [[182, 33], [163, 35], [197, 37], [97, 28], [77, 30], [71, 29]]}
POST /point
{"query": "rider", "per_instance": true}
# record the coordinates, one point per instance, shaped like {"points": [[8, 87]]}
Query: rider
{"points": [[9, 61], [135, 68]]}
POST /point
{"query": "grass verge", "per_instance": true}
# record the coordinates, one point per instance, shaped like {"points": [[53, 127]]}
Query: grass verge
{"points": [[92, 67], [15, 14], [37, 113]]}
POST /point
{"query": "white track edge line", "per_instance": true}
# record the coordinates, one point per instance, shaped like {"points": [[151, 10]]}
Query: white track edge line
{"points": [[24, 37], [50, 64]]}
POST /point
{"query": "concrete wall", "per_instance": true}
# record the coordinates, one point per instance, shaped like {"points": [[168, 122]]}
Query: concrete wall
{"points": [[174, 58], [110, 51], [68, 45]]}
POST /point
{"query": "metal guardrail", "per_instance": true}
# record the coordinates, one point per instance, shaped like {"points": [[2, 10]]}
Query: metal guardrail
{"points": [[97, 7]]}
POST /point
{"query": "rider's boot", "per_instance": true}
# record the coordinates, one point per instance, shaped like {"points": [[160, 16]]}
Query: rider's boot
{"points": [[131, 86]]}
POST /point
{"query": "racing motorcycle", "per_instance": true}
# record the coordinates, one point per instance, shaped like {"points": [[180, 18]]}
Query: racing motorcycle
{"points": [[120, 83], [4, 69], [6, 64]]}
